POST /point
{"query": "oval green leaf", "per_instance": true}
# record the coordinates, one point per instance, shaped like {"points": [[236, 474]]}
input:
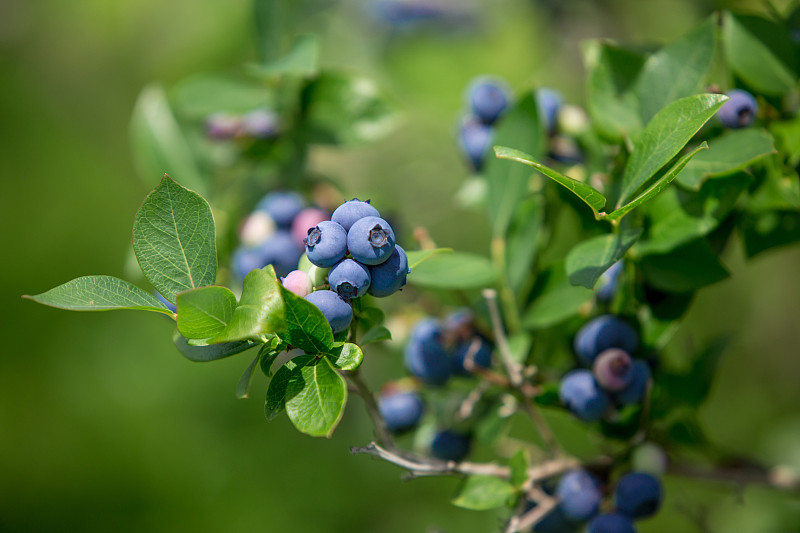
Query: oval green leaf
{"points": [[260, 311], [587, 261], [205, 312], [455, 270], [315, 398]]}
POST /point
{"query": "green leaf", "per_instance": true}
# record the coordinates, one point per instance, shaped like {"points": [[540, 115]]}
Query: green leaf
{"points": [[99, 293], [349, 358], [524, 239], [416, 257], [611, 99], [457, 270], [205, 312], [315, 398], [587, 261], [677, 70], [159, 146], [684, 269], [728, 153], [201, 95], [481, 493], [270, 351], [277, 391], [243, 386], [760, 52], [508, 183], [787, 138], [555, 299], [664, 137], [765, 231], [589, 195], [375, 334], [173, 238], [306, 326], [301, 60], [661, 183], [778, 188], [261, 310], [346, 109], [519, 464], [212, 352], [272, 23]]}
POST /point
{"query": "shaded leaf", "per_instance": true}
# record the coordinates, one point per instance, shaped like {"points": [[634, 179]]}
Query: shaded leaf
{"points": [[555, 299], [416, 257], [211, 352], [523, 241], [243, 386], [315, 398], [261, 310], [204, 312], [457, 270], [201, 95], [587, 261], [684, 269], [277, 391], [301, 60], [765, 231], [306, 326], [481, 493], [375, 334]]}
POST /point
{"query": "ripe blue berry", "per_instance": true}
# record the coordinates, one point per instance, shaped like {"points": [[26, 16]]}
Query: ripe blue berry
{"points": [[582, 395], [481, 355], [450, 445], [282, 206], [401, 411], [425, 354], [738, 112], [555, 522], [460, 324], [579, 494], [549, 102], [280, 251], [638, 495], [474, 139], [602, 333], [370, 240], [613, 369], [326, 244], [611, 523], [488, 98], [337, 312], [609, 282], [347, 213], [349, 279], [389, 276], [635, 390]]}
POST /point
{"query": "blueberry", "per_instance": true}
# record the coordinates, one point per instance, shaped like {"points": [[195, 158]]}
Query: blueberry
{"points": [[425, 354], [488, 98], [256, 228], [579, 494], [370, 240], [389, 276], [352, 210], [611, 523], [171, 306], [602, 333], [738, 112], [326, 244], [474, 140], [460, 324], [337, 312], [582, 395], [613, 369], [282, 206], [222, 126], [481, 351], [549, 102], [298, 282], [401, 411], [349, 279], [260, 124], [407, 14], [305, 220], [609, 282], [449, 445], [280, 251], [638, 495], [635, 390], [555, 522]]}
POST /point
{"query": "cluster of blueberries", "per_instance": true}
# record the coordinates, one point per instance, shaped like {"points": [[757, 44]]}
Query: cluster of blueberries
{"points": [[487, 98], [738, 112], [355, 253], [638, 495], [257, 124], [604, 344]]}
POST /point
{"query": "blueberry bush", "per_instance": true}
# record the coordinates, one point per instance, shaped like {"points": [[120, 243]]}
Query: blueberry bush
{"points": [[605, 219]]}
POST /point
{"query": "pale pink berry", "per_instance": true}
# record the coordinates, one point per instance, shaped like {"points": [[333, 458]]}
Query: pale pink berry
{"points": [[298, 282], [256, 229], [305, 220]]}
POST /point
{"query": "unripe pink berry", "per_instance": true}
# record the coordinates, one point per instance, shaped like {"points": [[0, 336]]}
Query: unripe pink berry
{"points": [[305, 220], [298, 282]]}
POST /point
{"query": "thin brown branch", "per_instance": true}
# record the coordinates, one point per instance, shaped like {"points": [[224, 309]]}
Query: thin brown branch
{"points": [[371, 404], [513, 368]]}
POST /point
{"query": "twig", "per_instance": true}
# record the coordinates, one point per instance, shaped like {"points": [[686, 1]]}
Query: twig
{"points": [[546, 433], [513, 369], [467, 407], [779, 477], [532, 517], [381, 431]]}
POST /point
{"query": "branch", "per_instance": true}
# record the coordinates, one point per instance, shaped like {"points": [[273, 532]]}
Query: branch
{"points": [[371, 404], [779, 477]]}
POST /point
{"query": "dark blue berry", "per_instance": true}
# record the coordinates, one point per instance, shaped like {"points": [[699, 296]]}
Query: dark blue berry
{"points": [[337, 312], [347, 213], [488, 98], [389, 276], [326, 244], [611, 523], [481, 351], [425, 354], [474, 139], [450, 445], [370, 240], [280, 251], [549, 102], [609, 282], [602, 333], [401, 411], [635, 390], [579, 494], [282, 206], [638, 495], [582, 395], [738, 112], [349, 279]]}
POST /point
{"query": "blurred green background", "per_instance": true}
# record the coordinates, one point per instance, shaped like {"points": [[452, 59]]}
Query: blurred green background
{"points": [[105, 427]]}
